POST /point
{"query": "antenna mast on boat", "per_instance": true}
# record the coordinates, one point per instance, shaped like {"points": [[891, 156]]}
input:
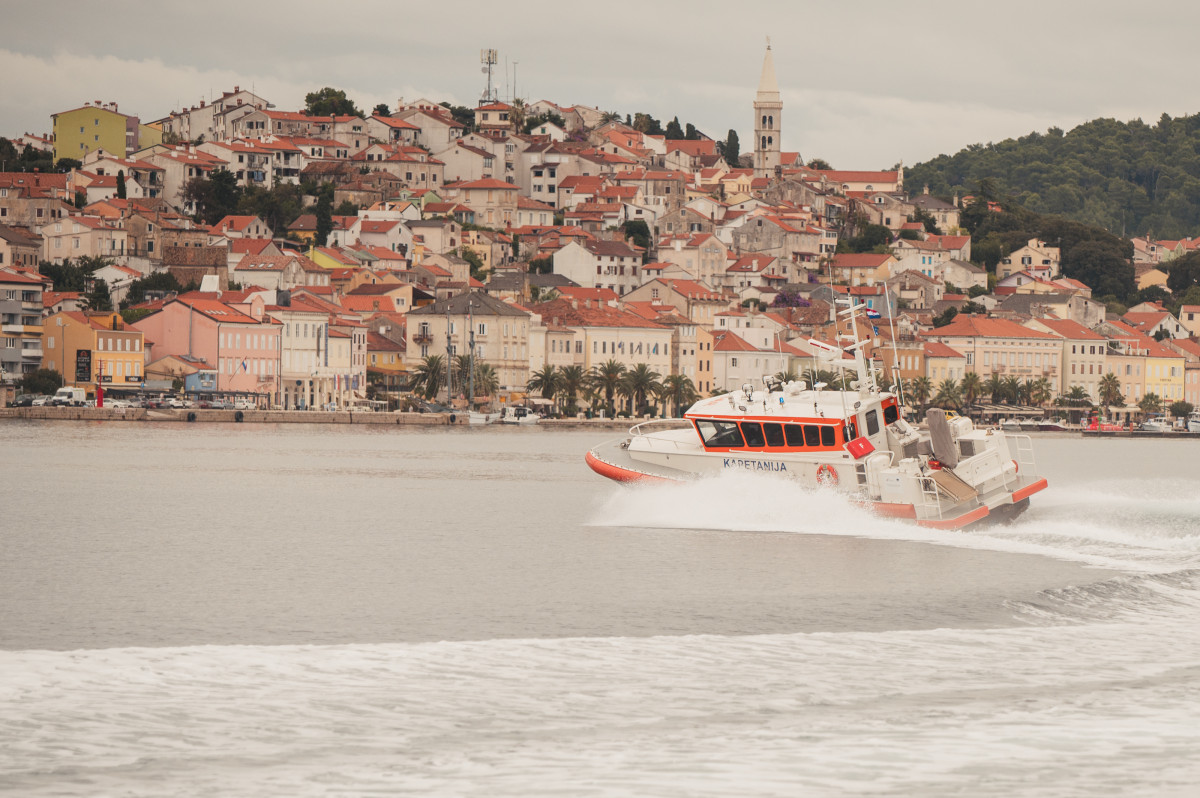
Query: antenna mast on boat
{"points": [[449, 354], [895, 354], [470, 357]]}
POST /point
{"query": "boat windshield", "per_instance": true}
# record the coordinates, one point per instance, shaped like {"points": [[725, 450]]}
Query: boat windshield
{"points": [[719, 433]]}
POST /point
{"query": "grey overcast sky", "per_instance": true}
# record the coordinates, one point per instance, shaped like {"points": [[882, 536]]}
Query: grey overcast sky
{"points": [[865, 83]]}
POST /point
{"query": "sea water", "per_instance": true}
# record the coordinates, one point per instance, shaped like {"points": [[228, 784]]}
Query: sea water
{"points": [[277, 611]]}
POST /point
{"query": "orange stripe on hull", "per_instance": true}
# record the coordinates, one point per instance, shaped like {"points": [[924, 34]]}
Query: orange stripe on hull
{"points": [[957, 523], [892, 510], [1029, 490], [619, 474]]}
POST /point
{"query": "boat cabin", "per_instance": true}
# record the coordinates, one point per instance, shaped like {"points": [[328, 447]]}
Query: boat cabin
{"points": [[827, 431]]}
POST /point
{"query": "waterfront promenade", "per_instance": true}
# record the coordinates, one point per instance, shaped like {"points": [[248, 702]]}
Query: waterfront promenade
{"points": [[279, 417]]}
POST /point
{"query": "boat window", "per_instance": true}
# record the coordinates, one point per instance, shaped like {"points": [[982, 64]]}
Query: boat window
{"points": [[891, 414], [719, 433], [872, 422], [774, 434], [851, 430], [812, 435], [754, 434], [827, 436], [794, 434]]}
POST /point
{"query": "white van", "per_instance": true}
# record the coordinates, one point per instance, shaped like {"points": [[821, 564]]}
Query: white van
{"points": [[73, 397]]}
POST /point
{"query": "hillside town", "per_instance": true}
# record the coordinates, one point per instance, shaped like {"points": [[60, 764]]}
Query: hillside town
{"points": [[537, 253]]}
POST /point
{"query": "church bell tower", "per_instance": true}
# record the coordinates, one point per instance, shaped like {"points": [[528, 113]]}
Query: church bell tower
{"points": [[768, 115]]}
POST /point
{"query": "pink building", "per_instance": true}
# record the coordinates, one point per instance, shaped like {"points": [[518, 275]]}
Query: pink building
{"points": [[240, 340]]}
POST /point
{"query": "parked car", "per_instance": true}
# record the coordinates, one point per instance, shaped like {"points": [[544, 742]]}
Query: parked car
{"points": [[176, 403], [243, 404], [23, 400], [41, 400], [119, 404]]}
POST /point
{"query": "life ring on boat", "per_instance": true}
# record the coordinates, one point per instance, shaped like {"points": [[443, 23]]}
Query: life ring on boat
{"points": [[827, 475]]}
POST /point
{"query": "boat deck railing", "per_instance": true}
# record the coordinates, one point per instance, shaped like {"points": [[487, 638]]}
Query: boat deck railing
{"points": [[1021, 446], [666, 423]]}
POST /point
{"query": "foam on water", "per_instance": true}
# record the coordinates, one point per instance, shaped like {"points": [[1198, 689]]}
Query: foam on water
{"points": [[1140, 525], [1030, 711]]}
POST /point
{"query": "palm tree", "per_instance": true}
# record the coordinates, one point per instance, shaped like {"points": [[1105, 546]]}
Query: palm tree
{"points": [[461, 368], [1110, 391], [948, 395], [995, 387], [678, 388], [919, 391], [516, 114], [971, 387], [606, 378], [571, 381], [786, 376], [813, 376], [1041, 391], [637, 383], [1150, 403], [429, 377], [545, 381], [487, 382], [1012, 390], [1077, 396]]}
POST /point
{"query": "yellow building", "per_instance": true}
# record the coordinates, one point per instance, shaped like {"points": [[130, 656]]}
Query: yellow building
{"points": [[87, 348], [100, 126], [1164, 373]]}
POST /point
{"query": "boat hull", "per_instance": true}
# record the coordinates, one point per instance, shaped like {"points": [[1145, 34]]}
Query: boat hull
{"points": [[614, 461]]}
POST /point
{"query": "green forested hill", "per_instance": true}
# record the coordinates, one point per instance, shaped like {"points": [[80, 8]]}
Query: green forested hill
{"points": [[1128, 177]]}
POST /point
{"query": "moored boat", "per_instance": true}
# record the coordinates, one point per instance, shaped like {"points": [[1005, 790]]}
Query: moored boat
{"points": [[518, 414], [855, 441]]}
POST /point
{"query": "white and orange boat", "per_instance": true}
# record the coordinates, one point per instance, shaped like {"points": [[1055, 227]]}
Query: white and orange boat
{"points": [[855, 441]]}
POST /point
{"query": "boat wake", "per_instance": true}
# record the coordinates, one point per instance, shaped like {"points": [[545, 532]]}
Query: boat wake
{"points": [[1141, 526]]}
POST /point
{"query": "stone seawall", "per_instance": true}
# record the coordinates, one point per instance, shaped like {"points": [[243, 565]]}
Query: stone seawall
{"points": [[246, 416]]}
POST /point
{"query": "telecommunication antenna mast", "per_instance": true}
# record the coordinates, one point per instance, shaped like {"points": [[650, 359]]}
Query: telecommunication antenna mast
{"points": [[488, 59]]}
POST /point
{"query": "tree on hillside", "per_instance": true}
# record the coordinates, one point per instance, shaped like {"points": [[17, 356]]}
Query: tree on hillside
{"points": [[1099, 267], [463, 115], [329, 102], [647, 124], [120, 184], [730, 149], [381, 110], [673, 130], [873, 238], [158, 281], [324, 214], [637, 231], [1184, 273], [98, 298], [215, 196]]}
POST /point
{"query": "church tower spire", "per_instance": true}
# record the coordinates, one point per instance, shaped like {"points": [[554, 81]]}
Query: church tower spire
{"points": [[768, 116]]}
